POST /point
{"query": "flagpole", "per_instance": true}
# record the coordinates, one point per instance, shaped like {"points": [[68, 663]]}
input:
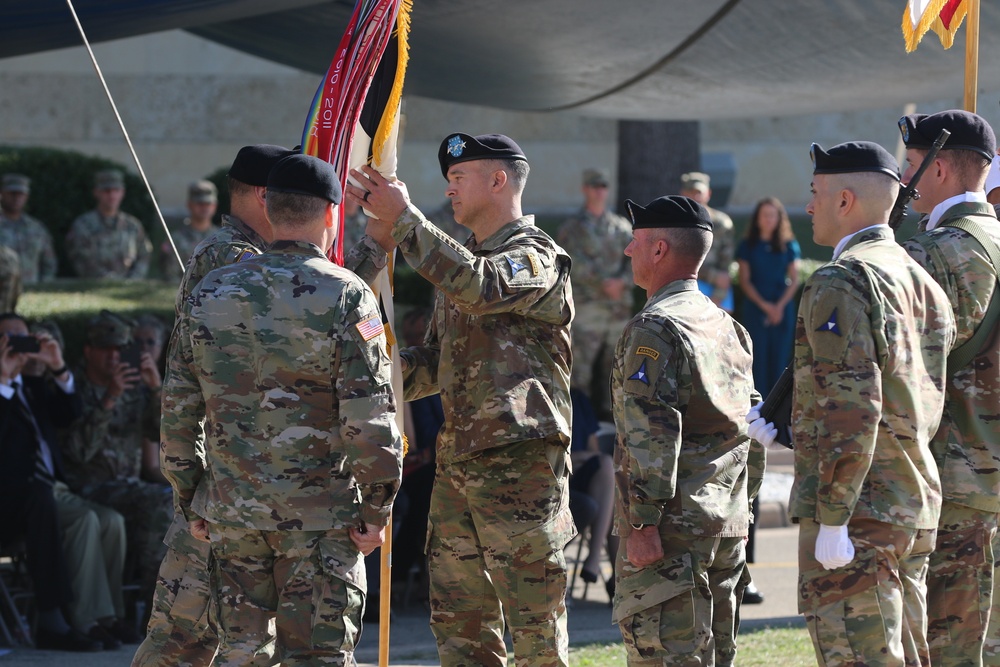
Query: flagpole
{"points": [[385, 596], [972, 55]]}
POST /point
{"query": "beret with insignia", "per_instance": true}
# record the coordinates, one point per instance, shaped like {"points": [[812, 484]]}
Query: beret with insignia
{"points": [[853, 157], [461, 147], [969, 131], [253, 163], [670, 211], [305, 175]]}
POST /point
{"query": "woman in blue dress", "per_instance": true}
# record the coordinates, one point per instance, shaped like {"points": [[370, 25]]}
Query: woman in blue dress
{"points": [[769, 276]]}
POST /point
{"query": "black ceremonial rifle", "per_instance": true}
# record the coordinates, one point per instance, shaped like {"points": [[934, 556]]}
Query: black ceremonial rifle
{"points": [[777, 407]]}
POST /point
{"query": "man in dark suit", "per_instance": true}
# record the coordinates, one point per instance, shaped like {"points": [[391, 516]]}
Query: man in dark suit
{"points": [[33, 497]]}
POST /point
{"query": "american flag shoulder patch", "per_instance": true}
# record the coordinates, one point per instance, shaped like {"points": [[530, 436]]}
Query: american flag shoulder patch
{"points": [[371, 327]]}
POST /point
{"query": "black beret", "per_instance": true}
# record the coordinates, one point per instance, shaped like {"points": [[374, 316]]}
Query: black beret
{"points": [[462, 147], [305, 175], [254, 163], [968, 131], [672, 211], [853, 157]]}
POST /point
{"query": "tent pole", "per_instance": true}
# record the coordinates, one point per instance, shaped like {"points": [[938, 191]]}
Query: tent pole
{"points": [[972, 56]]}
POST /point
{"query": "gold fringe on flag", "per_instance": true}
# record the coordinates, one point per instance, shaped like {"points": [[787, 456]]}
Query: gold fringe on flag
{"points": [[930, 19], [387, 122]]}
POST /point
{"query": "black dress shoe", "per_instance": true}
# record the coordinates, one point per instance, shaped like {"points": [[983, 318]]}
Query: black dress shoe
{"points": [[108, 641], [74, 640], [752, 596]]}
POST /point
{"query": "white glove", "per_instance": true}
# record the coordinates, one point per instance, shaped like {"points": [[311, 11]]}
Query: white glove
{"points": [[833, 547], [761, 430]]}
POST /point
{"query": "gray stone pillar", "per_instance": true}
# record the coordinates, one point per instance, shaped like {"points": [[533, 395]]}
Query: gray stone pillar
{"points": [[652, 155]]}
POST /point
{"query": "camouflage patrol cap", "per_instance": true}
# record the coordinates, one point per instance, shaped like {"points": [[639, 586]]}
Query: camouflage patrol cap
{"points": [[595, 178], [969, 131], [672, 211], [254, 163], [202, 192], [696, 180], [461, 147], [108, 329], [305, 175], [109, 179], [853, 157], [16, 183]]}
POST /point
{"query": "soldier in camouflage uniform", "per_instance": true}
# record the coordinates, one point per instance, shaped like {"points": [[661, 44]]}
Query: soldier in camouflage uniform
{"points": [[203, 197], [871, 338], [713, 279], [498, 351], [111, 451], [10, 279], [686, 472], [355, 221], [295, 481], [28, 237], [187, 632], [967, 445], [595, 239], [107, 242]]}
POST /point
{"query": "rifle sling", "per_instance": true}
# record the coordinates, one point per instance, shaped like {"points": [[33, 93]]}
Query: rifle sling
{"points": [[962, 355]]}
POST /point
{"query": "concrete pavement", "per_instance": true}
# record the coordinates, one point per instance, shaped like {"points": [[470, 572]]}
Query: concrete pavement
{"points": [[412, 644]]}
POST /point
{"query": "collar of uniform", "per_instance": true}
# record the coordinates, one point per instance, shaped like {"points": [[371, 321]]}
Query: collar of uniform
{"points": [[296, 248], [675, 287], [879, 231], [938, 211], [500, 237], [246, 230]]}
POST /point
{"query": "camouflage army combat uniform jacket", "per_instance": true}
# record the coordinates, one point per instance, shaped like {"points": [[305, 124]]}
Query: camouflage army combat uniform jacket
{"points": [[967, 446], [285, 356], [681, 386], [100, 247], [871, 338], [186, 239], [106, 445], [498, 346], [31, 240], [597, 245], [720, 255]]}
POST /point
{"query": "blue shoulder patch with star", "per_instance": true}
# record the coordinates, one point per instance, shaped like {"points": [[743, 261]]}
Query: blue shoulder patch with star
{"points": [[641, 374], [830, 324], [515, 266]]}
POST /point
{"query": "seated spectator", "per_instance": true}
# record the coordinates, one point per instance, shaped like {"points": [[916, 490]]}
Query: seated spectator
{"points": [[23, 234], [149, 336], [593, 474], [203, 199], [112, 450], [75, 550], [107, 242]]}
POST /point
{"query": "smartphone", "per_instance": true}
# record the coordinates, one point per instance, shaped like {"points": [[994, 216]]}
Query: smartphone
{"points": [[131, 354], [23, 343]]}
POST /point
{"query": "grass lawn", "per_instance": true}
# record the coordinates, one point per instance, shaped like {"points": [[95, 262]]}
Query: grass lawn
{"points": [[763, 647]]}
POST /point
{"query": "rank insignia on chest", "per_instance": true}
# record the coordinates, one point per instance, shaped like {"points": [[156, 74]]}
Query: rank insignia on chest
{"points": [[830, 324], [245, 255], [641, 374], [515, 266], [371, 327]]}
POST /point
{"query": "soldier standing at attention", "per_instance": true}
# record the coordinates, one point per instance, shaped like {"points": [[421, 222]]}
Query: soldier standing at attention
{"points": [[714, 280], [203, 198], [107, 242], [25, 235], [299, 471], [871, 338], [595, 239], [960, 580], [686, 471], [498, 351]]}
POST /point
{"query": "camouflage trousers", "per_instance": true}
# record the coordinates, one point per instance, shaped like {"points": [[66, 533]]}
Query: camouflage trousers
{"points": [[148, 511], [684, 609], [960, 586], [182, 627], [306, 588], [991, 647], [873, 611], [497, 527], [596, 330]]}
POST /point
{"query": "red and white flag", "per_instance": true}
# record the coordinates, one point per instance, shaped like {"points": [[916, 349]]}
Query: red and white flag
{"points": [[944, 17]]}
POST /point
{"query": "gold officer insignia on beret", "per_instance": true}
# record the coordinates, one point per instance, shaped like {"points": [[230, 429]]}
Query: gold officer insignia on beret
{"points": [[649, 352]]}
